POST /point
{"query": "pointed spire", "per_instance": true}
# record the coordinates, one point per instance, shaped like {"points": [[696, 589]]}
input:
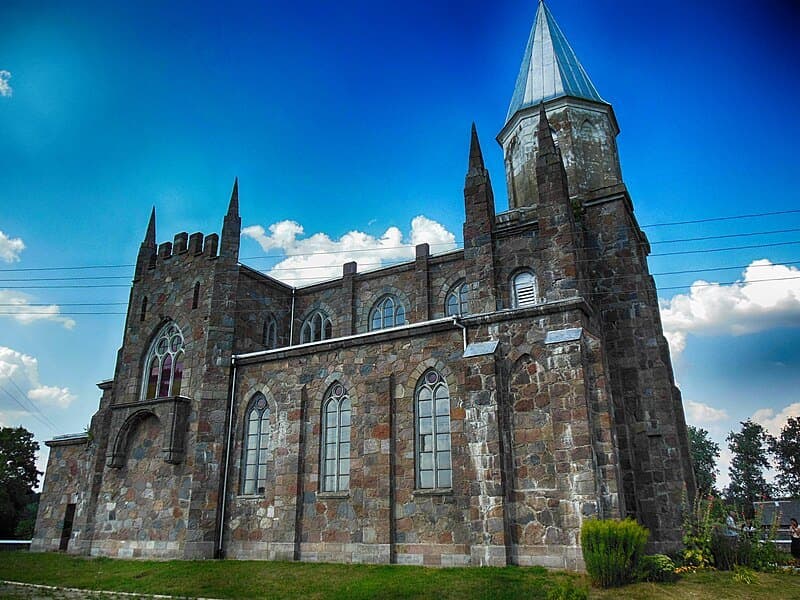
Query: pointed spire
{"points": [[550, 69], [150, 235], [476, 164], [544, 134], [233, 207]]}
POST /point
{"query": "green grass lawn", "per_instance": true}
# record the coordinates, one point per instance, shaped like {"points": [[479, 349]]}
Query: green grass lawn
{"points": [[258, 579]]}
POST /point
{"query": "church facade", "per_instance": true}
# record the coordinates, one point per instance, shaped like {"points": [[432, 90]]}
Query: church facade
{"points": [[467, 408]]}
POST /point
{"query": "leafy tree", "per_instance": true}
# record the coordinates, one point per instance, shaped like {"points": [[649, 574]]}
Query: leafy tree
{"points": [[18, 476], [749, 448], [705, 453], [786, 449]]}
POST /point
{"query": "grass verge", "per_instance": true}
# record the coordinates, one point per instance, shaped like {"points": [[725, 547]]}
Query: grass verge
{"points": [[259, 579]]}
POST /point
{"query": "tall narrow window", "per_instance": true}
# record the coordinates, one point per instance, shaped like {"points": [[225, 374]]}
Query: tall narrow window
{"points": [[164, 365], [388, 312], [315, 328], [256, 446], [270, 334], [196, 295], [434, 464], [143, 314], [456, 304], [523, 290], [336, 440]]}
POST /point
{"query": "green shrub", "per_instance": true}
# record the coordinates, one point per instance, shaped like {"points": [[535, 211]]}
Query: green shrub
{"points": [[657, 568], [611, 550], [567, 590], [743, 575]]}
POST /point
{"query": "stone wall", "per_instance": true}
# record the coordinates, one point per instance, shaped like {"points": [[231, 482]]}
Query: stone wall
{"points": [[65, 483]]}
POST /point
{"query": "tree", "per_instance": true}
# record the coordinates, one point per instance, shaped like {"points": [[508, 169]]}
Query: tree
{"points": [[749, 448], [18, 476], [705, 453], [786, 449]]}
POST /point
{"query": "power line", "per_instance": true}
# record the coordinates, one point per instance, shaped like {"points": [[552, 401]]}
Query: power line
{"points": [[32, 403], [25, 409], [458, 242], [279, 311], [730, 218], [659, 274]]}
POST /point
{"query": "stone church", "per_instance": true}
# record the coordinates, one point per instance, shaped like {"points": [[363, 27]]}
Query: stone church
{"points": [[466, 408]]}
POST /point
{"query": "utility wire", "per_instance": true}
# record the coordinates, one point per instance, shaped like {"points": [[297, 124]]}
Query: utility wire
{"points": [[409, 246], [633, 275], [279, 311]]}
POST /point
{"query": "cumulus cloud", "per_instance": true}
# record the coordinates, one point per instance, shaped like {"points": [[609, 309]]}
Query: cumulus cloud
{"points": [[767, 297], [775, 421], [10, 248], [17, 306], [700, 414], [19, 373], [318, 257], [5, 87]]}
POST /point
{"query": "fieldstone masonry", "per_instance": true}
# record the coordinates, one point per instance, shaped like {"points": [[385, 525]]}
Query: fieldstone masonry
{"points": [[555, 411]]}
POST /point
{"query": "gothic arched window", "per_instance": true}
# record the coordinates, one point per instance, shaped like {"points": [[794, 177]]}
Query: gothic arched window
{"points": [[523, 290], [164, 364], [456, 303], [315, 328], [335, 474], [255, 451], [269, 336], [388, 312], [434, 464]]}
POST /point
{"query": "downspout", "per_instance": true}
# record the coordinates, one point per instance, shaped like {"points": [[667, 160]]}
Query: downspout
{"points": [[224, 499], [463, 330], [291, 323]]}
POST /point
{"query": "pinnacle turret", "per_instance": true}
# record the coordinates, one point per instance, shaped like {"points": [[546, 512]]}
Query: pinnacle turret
{"points": [[233, 206], [150, 235], [544, 135], [476, 165]]}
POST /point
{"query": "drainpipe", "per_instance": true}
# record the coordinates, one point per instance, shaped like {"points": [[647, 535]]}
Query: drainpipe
{"points": [[291, 323], [224, 498], [463, 330]]}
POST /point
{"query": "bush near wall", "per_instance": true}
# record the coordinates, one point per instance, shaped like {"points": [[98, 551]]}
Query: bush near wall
{"points": [[612, 549]]}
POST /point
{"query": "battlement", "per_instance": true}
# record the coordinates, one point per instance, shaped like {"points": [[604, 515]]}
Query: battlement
{"points": [[187, 247]]}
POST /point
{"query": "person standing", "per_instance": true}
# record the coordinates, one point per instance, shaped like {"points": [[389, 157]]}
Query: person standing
{"points": [[794, 530]]}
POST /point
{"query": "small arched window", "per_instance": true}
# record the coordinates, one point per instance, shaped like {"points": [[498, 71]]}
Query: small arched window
{"points": [[336, 440], [269, 335], [434, 464], [523, 290], [315, 328], [388, 312], [456, 304], [164, 364], [255, 450]]}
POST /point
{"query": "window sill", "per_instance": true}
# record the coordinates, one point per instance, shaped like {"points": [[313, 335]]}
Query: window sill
{"points": [[251, 496], [433, 492], [333, 495]]}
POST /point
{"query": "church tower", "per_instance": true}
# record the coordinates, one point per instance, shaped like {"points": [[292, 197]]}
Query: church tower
{"points": [[611, 252], [583, 124]]}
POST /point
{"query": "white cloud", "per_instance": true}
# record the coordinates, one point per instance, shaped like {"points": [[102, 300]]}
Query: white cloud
{"points": [[775, 421], [10, 248], [318, 257], [17, 305], [700, 414], [19, 374], [5, 87], [767, 297]]}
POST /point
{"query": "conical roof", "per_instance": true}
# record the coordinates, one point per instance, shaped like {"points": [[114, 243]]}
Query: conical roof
{"points": [[550, 68]]}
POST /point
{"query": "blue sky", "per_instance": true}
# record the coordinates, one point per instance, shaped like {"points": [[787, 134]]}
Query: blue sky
{"points": [[355, 116]]}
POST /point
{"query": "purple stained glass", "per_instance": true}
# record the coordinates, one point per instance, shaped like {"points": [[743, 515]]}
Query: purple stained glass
{"points": [[166, 371]]}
